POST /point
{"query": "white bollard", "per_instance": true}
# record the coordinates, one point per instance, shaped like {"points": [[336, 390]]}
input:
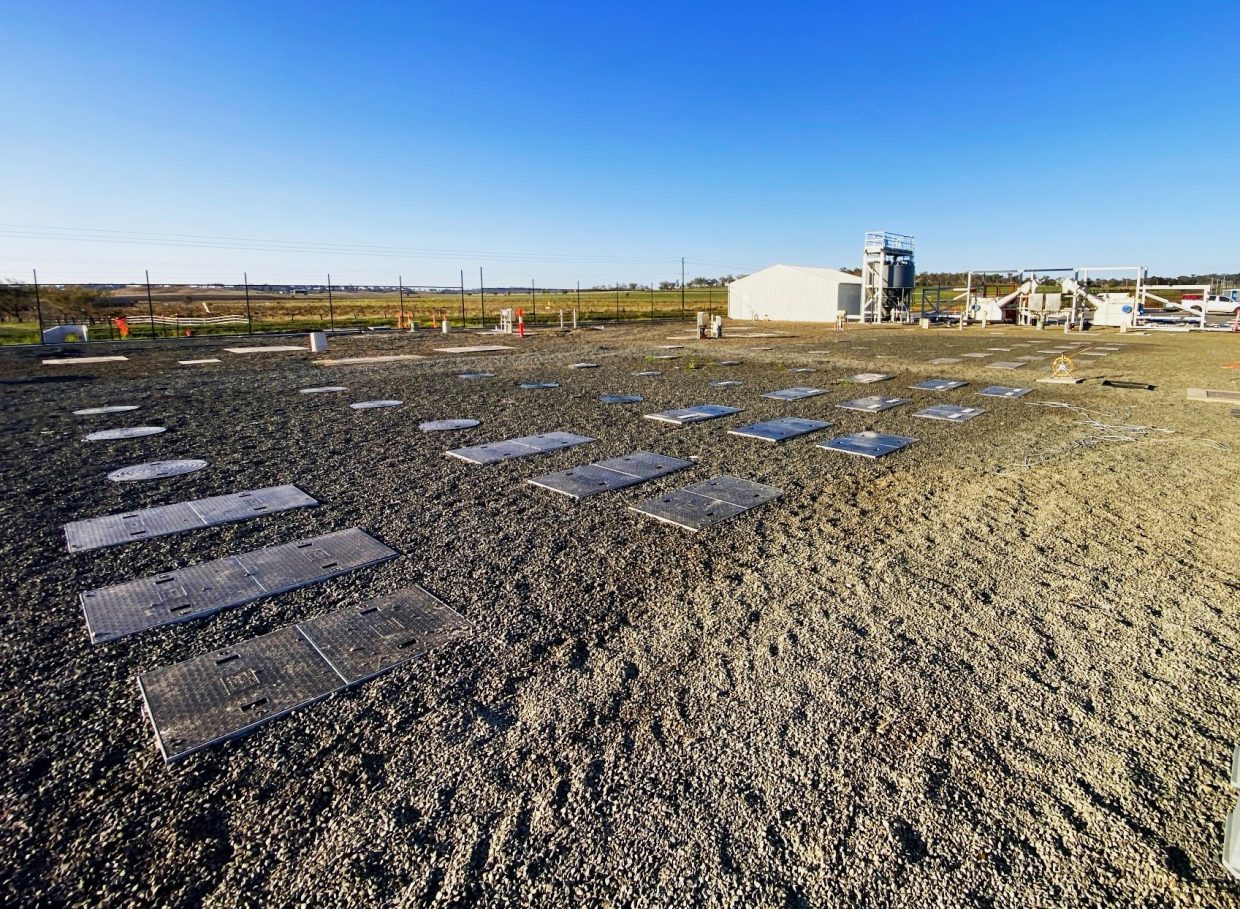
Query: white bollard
{"points": [[446, 327], [318, 342]]}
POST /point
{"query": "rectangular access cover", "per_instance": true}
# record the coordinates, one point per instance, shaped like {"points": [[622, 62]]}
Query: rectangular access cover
{"points": [[780, 429], [707, 503], [873, 404], [794, 394], [606, 476], [492, 452], [362, 641], [200, 590], [220, 695], [1004, 391], [951, 412], [868, 444], [697, 414], [938, 385], [147, 523]]}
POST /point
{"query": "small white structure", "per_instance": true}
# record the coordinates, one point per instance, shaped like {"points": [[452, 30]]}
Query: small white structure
{"points": [[795, 293], [64, 334]]}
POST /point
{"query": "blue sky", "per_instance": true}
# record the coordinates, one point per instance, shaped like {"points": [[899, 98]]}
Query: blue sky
{"points": [[593, 142]]}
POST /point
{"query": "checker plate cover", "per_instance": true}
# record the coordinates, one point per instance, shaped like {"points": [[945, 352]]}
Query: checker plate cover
{"points": [[780, 429], [189, 593], [227, 693], [702, 412], [952, 413], [1004, 391], [646, 465], [873, 404], [147, 523], [939, 385], [868, 444], [585, 481], [794, 394], [363, 641], [156, 470]]}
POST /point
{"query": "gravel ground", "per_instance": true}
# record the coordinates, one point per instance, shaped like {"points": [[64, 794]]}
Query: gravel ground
{"points": [[997, 669]]}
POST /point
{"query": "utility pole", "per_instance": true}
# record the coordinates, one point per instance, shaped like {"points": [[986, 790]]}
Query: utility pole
{"points": [[331, 311], [579, 297], [651, 301], [400, 289], [533, 302], [482, 296], [617, 301], [462, 298], [38, 303], [249, 318], [682, 287], [150, 306]]}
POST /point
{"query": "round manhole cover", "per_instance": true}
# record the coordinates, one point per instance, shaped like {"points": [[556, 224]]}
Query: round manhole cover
{"points": [[369, 405], [537, 385], [115, 408], [155, 470], [444, 425], [322, 389], [131, 432], [620, 399]]}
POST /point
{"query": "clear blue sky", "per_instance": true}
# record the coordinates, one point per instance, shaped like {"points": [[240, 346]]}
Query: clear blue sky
{"points": [[601, 142]]}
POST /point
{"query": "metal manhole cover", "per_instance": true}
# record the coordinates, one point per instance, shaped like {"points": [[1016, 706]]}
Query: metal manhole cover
{"points": [[725, 383], [938, 385], [873, 404], [322, 389], [130, 432], [648, 373], [476, 375], [1004, 391], [950, 412], [371, 405], [794, 394], [445, 425], [156, 470], [115, 408], [583, 366], [535, 386], [620, 399]]}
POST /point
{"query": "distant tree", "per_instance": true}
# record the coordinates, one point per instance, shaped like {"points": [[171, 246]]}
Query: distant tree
{"points": [[15, 297], [76, 301]]}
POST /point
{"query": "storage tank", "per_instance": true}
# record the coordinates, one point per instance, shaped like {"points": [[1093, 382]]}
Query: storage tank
{"points": [[900, 275]]}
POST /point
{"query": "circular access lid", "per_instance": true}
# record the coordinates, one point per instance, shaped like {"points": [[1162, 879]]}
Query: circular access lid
{"points": [[620, 399], [115, 408], [368, 405], [131, 432], [155, 470], [322, 389], [537, 385], [444, 425]]}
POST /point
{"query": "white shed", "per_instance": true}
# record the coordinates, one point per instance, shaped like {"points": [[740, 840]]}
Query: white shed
{"points": [[795, 293]]}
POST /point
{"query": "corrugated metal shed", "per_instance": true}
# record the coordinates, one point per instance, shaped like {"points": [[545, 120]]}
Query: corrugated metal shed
{"points": [[794, 293]]}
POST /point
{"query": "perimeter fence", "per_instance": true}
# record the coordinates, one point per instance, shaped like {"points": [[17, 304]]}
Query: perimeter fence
{"points": [[31, 312]]}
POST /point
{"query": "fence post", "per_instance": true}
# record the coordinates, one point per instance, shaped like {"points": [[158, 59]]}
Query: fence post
{"points": [[482, 296], [682, 287], [249, 318], [331, 311], [38, 303], [617, 302], [651, 301], [150, 306], [462, 298], [400, 288]]}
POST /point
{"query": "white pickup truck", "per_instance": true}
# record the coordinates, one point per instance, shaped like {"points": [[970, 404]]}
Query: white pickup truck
{"points": [[1225, 304]]}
